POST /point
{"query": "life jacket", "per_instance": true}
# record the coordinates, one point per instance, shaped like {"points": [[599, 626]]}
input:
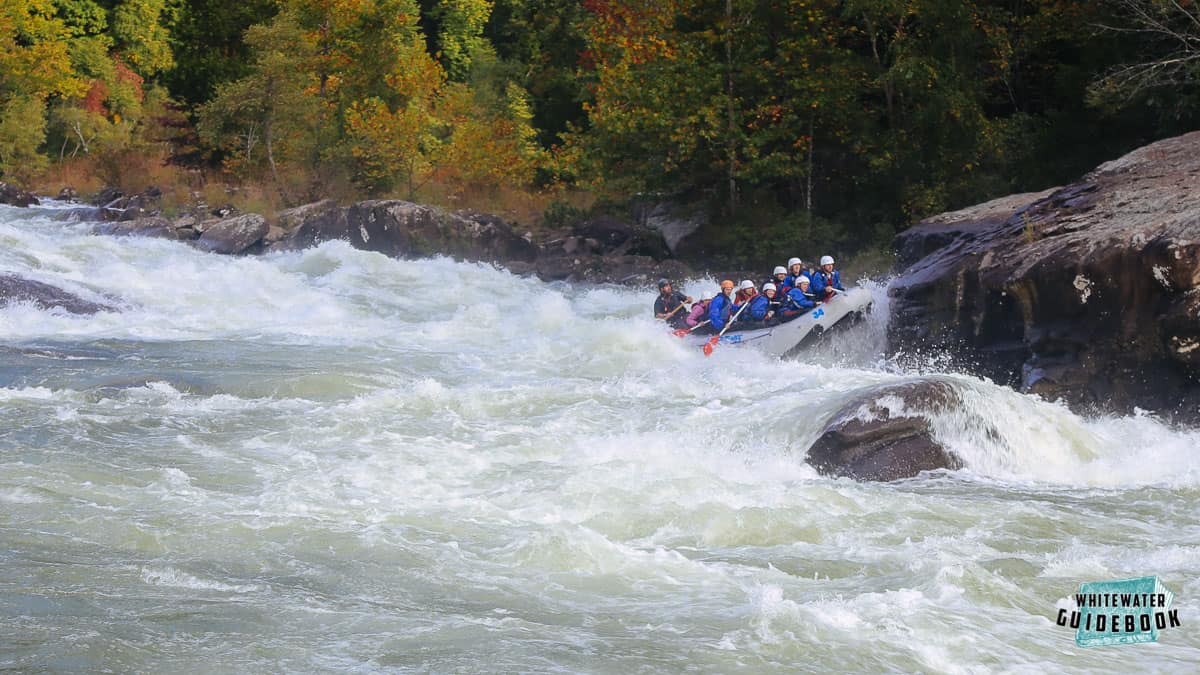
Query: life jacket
{"points": [[719, 311], [759, 305], [664, 304], [798, 301]]}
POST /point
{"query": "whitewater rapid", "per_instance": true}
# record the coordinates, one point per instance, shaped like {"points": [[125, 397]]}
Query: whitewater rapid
{"points": [[333, 460]]}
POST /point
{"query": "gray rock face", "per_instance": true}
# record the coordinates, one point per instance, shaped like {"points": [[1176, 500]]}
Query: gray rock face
{"points": [[18, 289], [1090, 292], [14, 196], [676, 223], [233, 235], [885, 435], [405, 230]]}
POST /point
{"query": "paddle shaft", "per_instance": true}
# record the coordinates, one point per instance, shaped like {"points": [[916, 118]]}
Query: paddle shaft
{"points": [[672, 312], [708, 346], [684, 331]]}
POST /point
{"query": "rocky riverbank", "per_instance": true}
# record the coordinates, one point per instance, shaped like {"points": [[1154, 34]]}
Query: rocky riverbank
{"points": [[1089, 293], [598, 250]]}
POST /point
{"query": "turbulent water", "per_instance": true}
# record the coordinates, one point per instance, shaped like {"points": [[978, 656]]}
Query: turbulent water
{"points": [[332, 460]]}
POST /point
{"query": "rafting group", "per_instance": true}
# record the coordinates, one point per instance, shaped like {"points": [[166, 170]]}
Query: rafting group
{"points": [[786, 295]]}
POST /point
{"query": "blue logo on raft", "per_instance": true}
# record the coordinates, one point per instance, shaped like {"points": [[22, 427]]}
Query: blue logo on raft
{"points": [[818, 314], [732, 339], [1121, 612]]}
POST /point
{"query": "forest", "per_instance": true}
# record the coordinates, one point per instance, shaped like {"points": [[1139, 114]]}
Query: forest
{"points": [[785, 121]]}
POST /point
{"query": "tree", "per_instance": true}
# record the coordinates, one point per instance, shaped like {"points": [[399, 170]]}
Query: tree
{"points": [[35, 64], [1169, 31], [460, 33], [271, 114], [208, 48]]}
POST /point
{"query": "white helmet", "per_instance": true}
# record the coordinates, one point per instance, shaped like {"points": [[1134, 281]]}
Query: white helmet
{"points": [[746, 284], [826, 260], [802, 280], [706, 296], [780, 270], [794, 261], [768, 287]]}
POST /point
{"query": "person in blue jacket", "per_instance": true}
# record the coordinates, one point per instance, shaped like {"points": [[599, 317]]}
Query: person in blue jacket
{"points": [[826, 279], [795, 270], [719, 310], [760, 304], [778, 277], [797, 301]]}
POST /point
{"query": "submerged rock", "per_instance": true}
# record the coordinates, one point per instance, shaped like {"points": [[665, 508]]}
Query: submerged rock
{"points": [[18, 289], [885, 434], [1089, 293]]}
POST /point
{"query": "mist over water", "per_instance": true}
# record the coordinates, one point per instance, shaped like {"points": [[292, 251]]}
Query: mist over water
{"points": [[332, 460]]}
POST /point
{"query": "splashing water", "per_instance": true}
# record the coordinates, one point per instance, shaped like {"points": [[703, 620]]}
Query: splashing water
{"points": [[334, 460]]}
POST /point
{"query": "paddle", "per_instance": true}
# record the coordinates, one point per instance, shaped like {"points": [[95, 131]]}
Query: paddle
{"points": [[708, 346], [672, 312], [684, 331]]}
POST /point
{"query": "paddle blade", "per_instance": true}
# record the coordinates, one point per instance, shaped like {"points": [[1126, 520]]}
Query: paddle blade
{"points": [[681, 332], [708, 346]]}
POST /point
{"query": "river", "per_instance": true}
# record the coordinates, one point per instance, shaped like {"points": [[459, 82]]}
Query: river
{"points": [[331, 460]]}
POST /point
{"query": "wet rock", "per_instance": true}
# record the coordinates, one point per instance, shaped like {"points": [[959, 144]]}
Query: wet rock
{"points": [[310, 224], [885, 434], [156, 227], [18, 289], [67, 194], [1086, 293], [406, 230], [14, 196], [233, 235], [124, 207]]}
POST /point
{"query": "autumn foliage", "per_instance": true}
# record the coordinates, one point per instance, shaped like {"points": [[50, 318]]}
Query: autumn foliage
{"points": [[785, 119]]}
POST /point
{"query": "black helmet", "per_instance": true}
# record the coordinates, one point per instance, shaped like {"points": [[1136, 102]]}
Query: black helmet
{"points": [[663, 283]]}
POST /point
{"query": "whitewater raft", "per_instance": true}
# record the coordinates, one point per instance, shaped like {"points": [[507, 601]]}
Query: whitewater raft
{"points": [[784, 338]]}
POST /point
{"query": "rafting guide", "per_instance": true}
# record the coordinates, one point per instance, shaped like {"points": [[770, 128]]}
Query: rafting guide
{"points": [[1125, 611]]}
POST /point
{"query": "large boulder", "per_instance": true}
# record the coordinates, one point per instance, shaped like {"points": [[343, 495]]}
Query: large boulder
{"points": [[14, 196], [618, 237], [233, 235], [885, 434], [404, 229], [18, 289], [1089, 293], [677, 223]]}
